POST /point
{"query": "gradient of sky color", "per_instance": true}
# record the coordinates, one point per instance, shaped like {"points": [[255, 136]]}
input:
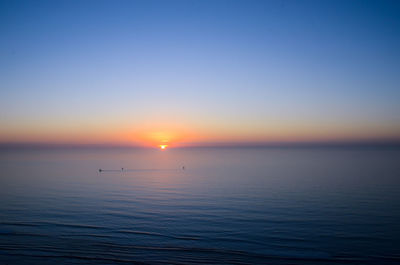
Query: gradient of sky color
{"points": [[199, 71]]}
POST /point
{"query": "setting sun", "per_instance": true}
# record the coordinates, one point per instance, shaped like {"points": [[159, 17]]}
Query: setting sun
{"points": [[163, 147]]}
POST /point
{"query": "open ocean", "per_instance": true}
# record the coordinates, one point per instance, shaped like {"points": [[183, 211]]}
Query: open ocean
{"points": [[228, 206]]}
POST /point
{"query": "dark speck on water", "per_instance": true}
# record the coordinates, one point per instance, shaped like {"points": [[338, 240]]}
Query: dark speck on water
{"points": [[234, 206]]}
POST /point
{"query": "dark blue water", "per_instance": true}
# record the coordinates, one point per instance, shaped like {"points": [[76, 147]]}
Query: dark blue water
{"points": [[236, 206]]}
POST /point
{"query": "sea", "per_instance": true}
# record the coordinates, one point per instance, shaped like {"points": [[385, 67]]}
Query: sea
{"points": [[205, 205]]}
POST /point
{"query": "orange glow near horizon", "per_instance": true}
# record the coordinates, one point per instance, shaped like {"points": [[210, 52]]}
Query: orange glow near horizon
{"points": [[171, 134]]}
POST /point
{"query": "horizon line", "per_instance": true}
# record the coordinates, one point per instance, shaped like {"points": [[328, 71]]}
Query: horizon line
{"points": [[282, 144]]}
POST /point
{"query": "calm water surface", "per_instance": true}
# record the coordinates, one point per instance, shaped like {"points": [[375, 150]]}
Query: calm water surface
{"points": [[236, 206]]}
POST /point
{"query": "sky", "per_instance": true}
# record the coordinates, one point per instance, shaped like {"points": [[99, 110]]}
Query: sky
{"points": [[199, 72]]}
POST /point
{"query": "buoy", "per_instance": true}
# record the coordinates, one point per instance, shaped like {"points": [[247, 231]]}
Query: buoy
{"points": [[100, 170]]}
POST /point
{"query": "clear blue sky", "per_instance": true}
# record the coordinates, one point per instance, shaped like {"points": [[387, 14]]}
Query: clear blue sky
{"points": [[218, 70]]}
